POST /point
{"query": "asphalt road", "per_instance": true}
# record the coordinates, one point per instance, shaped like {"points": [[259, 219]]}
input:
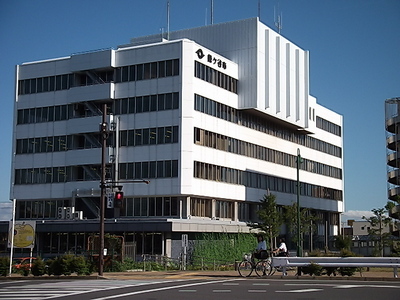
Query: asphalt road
{"points": [[202, 289]]}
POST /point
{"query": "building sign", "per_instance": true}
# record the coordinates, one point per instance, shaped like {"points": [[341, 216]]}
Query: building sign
{"points": [[211, 59], [24, 234]]}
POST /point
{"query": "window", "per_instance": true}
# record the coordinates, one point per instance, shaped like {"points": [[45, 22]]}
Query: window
{"points": [[161, 69], [213, 76]]}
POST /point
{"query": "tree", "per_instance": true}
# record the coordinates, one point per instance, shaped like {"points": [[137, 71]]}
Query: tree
{"points": [[379, 221], [306, 220], [270, 218], [343, 242]]}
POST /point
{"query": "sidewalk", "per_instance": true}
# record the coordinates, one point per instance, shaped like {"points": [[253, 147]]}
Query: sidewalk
{"points": [[386, 275], [373, 275]]}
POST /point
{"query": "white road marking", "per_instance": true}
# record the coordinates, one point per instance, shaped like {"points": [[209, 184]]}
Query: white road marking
{"points": [[300, 291], [222, 291], [162, 289], [350, 286], [187, 291], [257, 291]]}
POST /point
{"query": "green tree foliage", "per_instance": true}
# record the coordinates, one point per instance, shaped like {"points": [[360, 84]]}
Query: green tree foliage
{"points": [[343, 242], [270, 218], [306, 220], [379, 221]]}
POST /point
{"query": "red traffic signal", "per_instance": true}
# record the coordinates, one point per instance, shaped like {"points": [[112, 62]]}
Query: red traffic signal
{"points": [[118, 199], [119, 196]]}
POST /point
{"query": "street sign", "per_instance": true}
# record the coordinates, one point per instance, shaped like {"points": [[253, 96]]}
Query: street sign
{"points": [[184, 240], [110, 200]]}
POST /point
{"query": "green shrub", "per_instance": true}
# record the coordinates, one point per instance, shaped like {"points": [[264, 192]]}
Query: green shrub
{"points": [[38, 267], [4, 266], [331, 271], [80, 266], [55, 267], [61, 265], [221, 247], [347, 271], [312, 269]]}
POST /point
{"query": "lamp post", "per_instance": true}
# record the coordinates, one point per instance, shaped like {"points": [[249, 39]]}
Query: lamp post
{"points": [[299, 160]]}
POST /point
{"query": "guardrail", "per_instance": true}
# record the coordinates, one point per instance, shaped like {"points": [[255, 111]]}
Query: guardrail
{"points": [[357, 262]]}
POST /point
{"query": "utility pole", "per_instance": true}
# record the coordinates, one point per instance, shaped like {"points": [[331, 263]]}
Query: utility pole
{"points": [[104, 136]]}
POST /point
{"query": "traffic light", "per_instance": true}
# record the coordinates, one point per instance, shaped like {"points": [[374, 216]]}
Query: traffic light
{"points": [[118, 199]]}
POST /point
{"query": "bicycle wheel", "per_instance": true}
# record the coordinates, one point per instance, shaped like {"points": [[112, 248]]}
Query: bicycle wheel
{"points": [[245, 268], [263, 268]]}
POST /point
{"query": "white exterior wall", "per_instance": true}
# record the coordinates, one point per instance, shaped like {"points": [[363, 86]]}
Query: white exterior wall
{"points": [[273, 79]]}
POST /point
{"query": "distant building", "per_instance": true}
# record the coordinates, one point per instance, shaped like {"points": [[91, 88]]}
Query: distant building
{"points": [[392, 122], [363, 243], [213, 117]]}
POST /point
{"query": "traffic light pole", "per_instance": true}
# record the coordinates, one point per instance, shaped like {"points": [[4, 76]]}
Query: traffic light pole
{"points": [[104, 135]]}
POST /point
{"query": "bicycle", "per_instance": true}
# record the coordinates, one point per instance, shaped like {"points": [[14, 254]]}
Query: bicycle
{"points": [[261, 267]]}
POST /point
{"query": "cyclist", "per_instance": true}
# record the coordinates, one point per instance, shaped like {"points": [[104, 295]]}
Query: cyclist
{"points": [[261, 250], [282, 249]]}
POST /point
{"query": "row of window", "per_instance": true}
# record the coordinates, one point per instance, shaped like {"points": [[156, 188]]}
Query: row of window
{"points": [[137, 170], [328, 126], [57, 174], [200, 207], [136, 72], [215, 77], [157, 102], [262, 181], [147, 103], [221, 142], [150, 207], [158, 69], [246, 119], [63, 82], [39, 209], [149, 136], [45, 84], [134, 137], [148, 169]]}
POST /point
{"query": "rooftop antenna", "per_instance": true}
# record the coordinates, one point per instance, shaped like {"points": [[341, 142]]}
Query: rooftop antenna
{"points": [[168, 20], [278, 20], [259, 9], [212, 12], [162, 32]]}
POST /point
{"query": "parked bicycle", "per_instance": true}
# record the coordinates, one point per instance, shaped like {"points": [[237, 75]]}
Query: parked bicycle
{"points": [[262, 267]]}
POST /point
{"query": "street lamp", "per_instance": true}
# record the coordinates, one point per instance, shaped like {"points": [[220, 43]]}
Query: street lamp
{"points": [[299, 160]]}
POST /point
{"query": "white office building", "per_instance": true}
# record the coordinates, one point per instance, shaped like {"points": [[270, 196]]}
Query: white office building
{"points": [[212, 116]]}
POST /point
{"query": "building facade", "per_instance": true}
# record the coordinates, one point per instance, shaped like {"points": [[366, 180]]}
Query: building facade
{"points": [[392, 125], [213, 117]]}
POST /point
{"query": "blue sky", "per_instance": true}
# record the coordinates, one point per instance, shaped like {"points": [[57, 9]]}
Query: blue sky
{"points": [[354, 60]]}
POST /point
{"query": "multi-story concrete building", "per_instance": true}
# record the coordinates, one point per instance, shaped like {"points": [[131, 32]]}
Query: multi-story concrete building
{"points": [[213, 117], [392, 124]]}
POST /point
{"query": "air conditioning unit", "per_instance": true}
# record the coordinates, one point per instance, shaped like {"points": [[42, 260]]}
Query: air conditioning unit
{"points": [[61, 212], [69, 213], [78, 215]]}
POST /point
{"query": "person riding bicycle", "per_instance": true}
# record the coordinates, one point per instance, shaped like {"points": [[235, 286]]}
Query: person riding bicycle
{"points": [[282, 249], [261, 250]]}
